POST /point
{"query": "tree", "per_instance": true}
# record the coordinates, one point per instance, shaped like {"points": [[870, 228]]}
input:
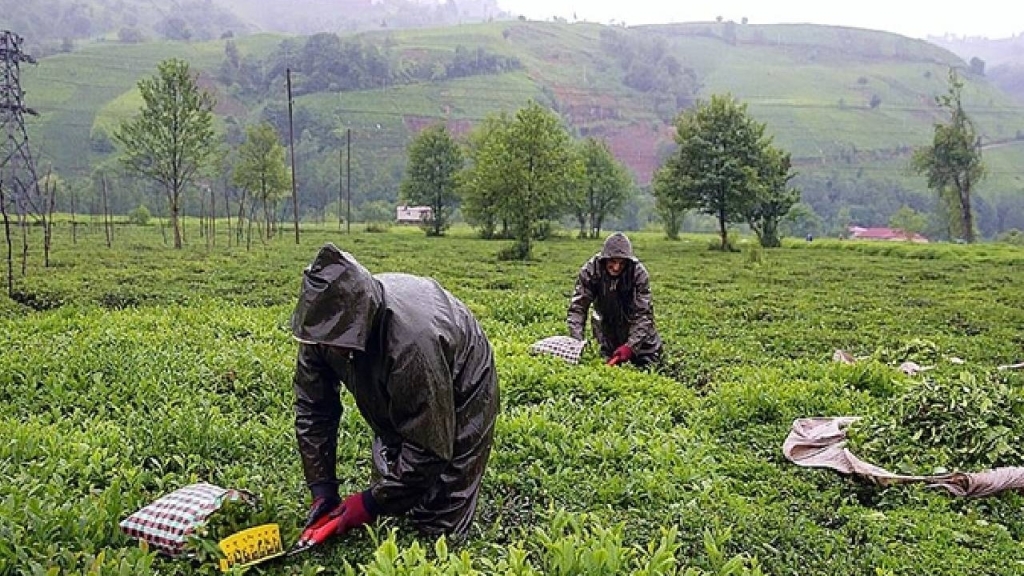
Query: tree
{"points": [[977, 66], [801, 220], [772, 196], [603, 190], [261, 169], [953, 164], [479, 195], [171, 139], [908, 221], [724, 163], [526, 165], [669, 202], [435, 160]]}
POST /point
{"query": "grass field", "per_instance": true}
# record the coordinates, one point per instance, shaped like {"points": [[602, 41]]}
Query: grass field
{"points": [[139, 369]]}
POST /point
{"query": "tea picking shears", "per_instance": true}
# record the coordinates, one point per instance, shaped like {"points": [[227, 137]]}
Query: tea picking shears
{"points": [[316, 534]]}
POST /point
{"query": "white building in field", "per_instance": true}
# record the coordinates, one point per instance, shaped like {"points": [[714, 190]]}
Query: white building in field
{"points": [[413, 214]]}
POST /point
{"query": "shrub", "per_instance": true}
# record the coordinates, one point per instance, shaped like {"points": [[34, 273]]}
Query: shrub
{"points": [[140, 216]]}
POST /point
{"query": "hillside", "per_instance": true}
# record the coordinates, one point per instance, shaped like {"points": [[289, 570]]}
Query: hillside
{"points": [[53, 26], [1003, 59], [849, 104]]}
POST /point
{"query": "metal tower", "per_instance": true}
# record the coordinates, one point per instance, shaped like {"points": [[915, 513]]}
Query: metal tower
{"points": [[17, 168]]}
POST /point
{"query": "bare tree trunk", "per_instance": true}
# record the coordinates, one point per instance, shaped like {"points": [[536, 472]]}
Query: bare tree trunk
{"points": [[202, 214], [241, 218], [722, 231], [48, 236], [266, 218], [23, 218], [227, 209], [106, 223], [965, 211], [74, 224], [173, 197], [248, 236], [44, 214], [213, 217], [10, 246]]}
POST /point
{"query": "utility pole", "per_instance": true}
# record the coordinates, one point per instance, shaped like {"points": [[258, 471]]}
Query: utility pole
{"points": [[291, 146], [341, 183], [17, 168], [348, 174]]}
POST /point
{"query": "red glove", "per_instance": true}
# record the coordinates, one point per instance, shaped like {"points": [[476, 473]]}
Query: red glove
{"points": [[622, 354], [321, 505], [355, 511]]}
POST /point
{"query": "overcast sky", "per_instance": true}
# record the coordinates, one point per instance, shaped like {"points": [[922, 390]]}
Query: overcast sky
{"points": [[914, 18]]}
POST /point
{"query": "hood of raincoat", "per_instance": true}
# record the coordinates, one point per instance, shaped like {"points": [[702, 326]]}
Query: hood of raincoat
{"points": [[617, 246], [338, 302]]}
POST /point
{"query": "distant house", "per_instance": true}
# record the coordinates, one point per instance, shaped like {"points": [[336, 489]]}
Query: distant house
{"points": [[413, 214], [889, 234]]}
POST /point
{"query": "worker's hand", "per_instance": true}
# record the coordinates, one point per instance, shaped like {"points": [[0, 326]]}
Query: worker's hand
{"points": [[321, 506], [622, 354], [357, 510]]}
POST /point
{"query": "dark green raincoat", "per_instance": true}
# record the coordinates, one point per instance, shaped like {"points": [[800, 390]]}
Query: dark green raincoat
{"points": [[622, 309], [422, 374]]}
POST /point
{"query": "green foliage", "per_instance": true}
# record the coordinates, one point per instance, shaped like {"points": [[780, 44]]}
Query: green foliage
{"points": [[435, 160], [669, 203], [802, 220], [908, 220], [726, 167], [525, 165], [604, 189], [326, 62], [171, 140], [1014, 237], [262, 173], [378, 216], [479, 191], [140, 216], [955, 422], [952, 163], [152, 368], [773, 197]]}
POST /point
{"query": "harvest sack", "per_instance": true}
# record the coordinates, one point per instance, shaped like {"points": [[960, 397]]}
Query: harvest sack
{"points": [[166, 523], [564, 347], [821, 443]]}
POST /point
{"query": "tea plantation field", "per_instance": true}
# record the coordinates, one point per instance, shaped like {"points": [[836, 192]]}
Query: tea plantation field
{"points": [[127, 372]]}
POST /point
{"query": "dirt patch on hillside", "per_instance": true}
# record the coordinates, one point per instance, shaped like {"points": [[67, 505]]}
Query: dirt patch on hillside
{"points": [[579, 106], [226, 104], [638, 145], [416, 124]]}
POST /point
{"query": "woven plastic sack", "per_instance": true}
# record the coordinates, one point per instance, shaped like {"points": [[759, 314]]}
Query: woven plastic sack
{"points": [[167, 523], [564, 347]]}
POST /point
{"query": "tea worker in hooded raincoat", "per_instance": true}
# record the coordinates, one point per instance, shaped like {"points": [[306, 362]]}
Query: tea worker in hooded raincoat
{"points": [[422, 375], [615, 287]]}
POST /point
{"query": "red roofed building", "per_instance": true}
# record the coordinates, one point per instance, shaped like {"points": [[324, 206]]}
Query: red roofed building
{"points": [[890, 234]]}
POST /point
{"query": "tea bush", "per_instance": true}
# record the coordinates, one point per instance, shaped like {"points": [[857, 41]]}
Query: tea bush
{"points": [[131, 371]]}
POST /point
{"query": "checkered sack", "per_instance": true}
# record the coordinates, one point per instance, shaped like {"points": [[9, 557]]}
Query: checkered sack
{"points": [[564, 347], [166, 523]]}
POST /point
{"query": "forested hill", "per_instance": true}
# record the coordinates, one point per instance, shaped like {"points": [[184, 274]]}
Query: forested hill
{"points": [[850, 104]]}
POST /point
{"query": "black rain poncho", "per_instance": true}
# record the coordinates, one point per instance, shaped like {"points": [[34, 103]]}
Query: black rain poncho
{"points": [[422, 374], [622, 308]]}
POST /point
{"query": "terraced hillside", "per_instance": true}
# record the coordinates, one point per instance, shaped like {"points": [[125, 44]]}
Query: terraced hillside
{"points": [[850, 104]]}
